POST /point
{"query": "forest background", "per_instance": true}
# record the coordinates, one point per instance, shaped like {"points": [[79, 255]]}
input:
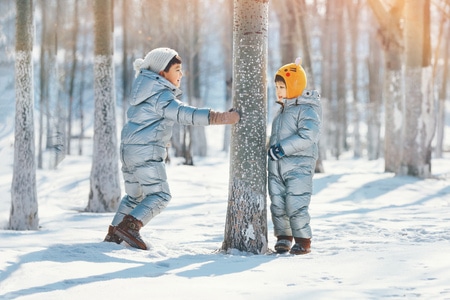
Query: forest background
{"points": [[341, 42], [360, 55]]}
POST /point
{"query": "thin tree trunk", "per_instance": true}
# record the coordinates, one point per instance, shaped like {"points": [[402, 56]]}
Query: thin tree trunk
{"points": [[198, 144], [375, 102], [327, 136], [104, 181], [42, 86], [81, 101], [391, 40], [288, 34], [24, 204], [419, 125], [440, 126], [354, 10], [246, 222], [59, 139], [73, 70], [341, 110]]}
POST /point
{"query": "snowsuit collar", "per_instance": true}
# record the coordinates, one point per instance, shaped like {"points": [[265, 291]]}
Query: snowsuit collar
{"points": [[148, 84], [308, 97]]}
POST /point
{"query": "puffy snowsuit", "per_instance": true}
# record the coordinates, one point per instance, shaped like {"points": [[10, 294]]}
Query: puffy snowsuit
{"points": [[154, 110], [296, 127]]}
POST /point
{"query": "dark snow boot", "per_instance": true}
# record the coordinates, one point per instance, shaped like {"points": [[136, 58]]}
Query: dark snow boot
{"points": [[283, 244], [301, 246], [128, 230], [111, 236]]}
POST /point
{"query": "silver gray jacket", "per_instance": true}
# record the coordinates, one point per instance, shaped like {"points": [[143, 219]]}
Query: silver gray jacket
{"points": [[154, 110], [296, 127]]}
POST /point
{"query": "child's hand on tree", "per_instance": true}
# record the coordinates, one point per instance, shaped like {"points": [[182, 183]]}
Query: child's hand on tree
{"points": [[222, 118]]}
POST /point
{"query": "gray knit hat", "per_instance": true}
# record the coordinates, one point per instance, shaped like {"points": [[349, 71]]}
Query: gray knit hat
{"points": [[156, 60]]}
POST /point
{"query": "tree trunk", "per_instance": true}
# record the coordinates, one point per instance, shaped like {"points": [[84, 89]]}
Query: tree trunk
{"points": [[197, 136], [42, 87], [59, 141], [328, 119], [390, 35], [375, 102], [24, 205], [354, 11], [104, 181], [288, 34], [341, 109], [394, 106], [419, 125], [80, 100], [246, 222], [73, 70], [440, 126]]}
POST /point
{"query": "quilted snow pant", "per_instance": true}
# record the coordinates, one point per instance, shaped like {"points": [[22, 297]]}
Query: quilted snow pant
{"points": [[290, 189], [146, 187]]}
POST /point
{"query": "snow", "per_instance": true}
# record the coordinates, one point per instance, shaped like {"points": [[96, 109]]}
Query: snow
{"points": [[376, 236]]}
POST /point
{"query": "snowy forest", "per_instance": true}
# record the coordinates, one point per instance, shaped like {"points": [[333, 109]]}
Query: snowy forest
{"points": [[380, 206], [381, 67]]}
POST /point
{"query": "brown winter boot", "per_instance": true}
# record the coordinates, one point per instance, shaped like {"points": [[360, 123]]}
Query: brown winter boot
{"points": [[128, 230], [283, 244], [111, 235], [301, 246]]}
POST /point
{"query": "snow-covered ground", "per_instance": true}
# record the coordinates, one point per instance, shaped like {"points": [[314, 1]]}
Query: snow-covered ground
{"points": [[376, 236]]}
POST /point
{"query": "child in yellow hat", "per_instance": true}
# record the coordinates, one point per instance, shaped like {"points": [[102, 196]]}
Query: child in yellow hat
{"points": [[292, 158]]}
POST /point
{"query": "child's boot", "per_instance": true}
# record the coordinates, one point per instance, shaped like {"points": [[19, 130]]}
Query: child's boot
{"points": [[301, 246], [111, 235], [128, 230], [283, 244]]}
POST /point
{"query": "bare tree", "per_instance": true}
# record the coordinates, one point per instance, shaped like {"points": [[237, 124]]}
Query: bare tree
{"points": [[354, 11], [326, 137], [84, 29], [334, 87], [104, 181], [420, 122], [375, 102], [42, 86], [289, 34], [341, 89], [193, 137], [72, 75], [24, 205], [391, 39], [246, 222], [51, 118], [442, 92]]}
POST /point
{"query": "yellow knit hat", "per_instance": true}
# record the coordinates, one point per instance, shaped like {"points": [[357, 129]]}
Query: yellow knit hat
{"points": [[295, 78]]}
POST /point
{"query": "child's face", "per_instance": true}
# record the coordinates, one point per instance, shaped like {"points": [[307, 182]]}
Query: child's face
{"points": [[281, 90], [174, 75]]}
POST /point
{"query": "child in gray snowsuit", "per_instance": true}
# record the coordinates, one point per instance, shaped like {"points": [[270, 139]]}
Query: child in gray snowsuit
{"points": [[292, 158], [154, 110]]}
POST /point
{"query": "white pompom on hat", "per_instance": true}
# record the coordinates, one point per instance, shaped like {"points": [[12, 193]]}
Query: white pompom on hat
{"points": [[156, 60]]}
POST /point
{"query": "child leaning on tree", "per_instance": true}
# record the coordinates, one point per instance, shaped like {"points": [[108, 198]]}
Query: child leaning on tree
{"points": [[154, 109], [292, 158]]}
